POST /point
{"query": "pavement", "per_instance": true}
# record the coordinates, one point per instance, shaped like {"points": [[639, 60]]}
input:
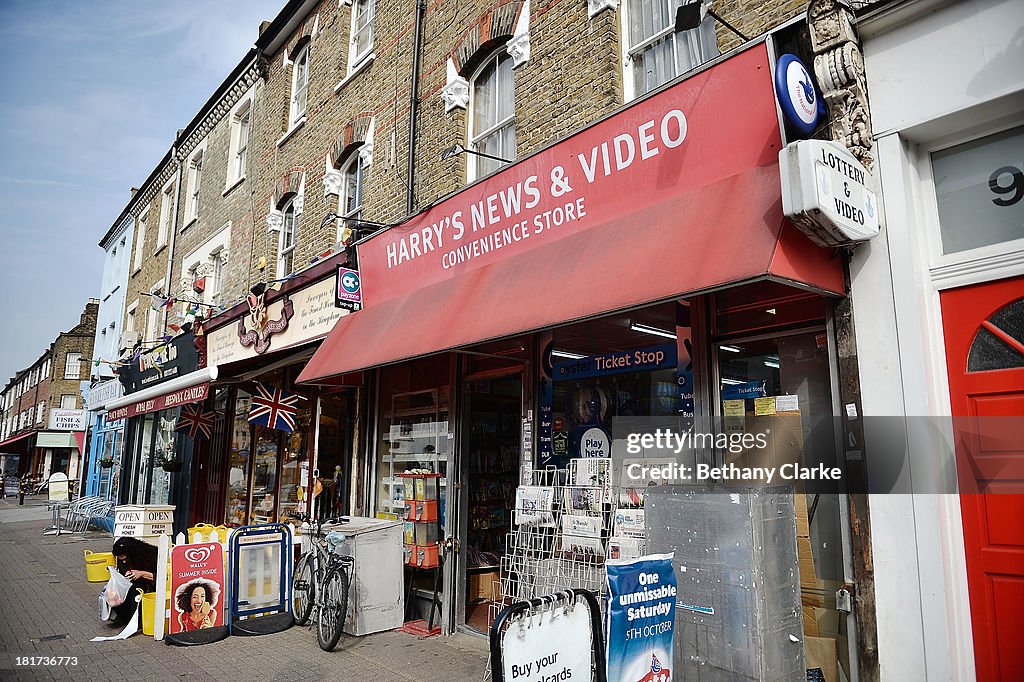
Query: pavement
{"points": [[47, 609]]}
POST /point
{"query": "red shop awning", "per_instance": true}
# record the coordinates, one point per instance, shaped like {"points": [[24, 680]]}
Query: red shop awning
{"points": [[727, 233], [17, 439], [190, 388]]}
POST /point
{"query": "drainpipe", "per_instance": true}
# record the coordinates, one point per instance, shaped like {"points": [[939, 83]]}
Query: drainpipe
{"points": [[173, 227], [410, 197]]}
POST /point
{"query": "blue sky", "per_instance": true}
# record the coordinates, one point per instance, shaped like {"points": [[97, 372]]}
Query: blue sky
{"points": [[93, 93]]}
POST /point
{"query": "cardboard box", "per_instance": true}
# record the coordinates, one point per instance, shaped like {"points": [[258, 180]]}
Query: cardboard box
{"points": [[480, 585], [803, 529], [820, 652], [810, 623]]}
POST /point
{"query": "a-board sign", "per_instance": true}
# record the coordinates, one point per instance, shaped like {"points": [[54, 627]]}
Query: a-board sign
{"points": [[197, 587], [554, 643]]}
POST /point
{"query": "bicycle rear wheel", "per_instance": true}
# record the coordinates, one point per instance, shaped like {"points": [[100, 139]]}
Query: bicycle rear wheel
{"points": [[303, 590], [333, 605]]}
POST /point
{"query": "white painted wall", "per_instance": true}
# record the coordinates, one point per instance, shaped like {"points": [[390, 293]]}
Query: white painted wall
{"points": [[110, 318], [938, 73]]}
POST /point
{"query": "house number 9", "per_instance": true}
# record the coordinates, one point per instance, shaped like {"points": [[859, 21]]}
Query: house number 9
{"points": [[1015, 186]]}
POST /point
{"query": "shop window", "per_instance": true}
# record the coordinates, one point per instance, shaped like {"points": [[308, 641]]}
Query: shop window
{"points": [[238, 462], [493, 107], [414, 428], [295, 462], [655, 53], [143, 463], [333, 456], [979, 186]]}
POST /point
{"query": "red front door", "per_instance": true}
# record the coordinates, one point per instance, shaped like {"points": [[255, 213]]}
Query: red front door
{"points": [[983, 327]]}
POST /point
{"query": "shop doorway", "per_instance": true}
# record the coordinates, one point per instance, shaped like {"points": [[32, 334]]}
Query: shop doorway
{"points": [[983, 326], [491, 442]]}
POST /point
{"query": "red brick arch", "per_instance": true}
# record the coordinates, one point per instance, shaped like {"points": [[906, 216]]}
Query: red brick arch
{"points": [[350, 138], [287, 186], [491, 29]]}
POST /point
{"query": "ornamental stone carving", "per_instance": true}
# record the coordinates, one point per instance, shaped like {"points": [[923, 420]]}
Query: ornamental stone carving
{"points": [[839, 68], [275, 221], [519, 49], [366, 152], [455, 93], [333, 179], [595, 7], [298, 202]]}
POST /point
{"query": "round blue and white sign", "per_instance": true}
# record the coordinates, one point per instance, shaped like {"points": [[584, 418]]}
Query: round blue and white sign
{"points": [[798, 97], [350, 283]]}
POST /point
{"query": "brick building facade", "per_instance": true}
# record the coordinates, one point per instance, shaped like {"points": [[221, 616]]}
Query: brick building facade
{"points": [[52, 382]]}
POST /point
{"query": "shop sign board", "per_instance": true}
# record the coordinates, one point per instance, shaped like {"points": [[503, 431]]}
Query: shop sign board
{"points": [[641, 618], [652, 153], [175, 358], [828, 192], [635, 360], [192, 394], [55, 439], [104, 392], [313, 315], [197, 587], [350, 293], [67, 420]]}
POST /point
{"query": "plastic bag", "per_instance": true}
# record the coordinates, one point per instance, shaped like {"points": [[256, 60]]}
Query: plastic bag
{"points": [[117, 588], [105, 610]]}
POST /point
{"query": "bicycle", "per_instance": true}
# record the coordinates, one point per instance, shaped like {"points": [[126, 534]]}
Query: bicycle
{"points": [[320, 583]]}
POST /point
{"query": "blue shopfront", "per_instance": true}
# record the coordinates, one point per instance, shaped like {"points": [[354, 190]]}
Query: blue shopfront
{"points": [[106, 446]]}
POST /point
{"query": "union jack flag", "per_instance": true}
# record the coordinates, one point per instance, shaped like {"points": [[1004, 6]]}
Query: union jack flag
{"points": [[195, 421], [273, 407]]}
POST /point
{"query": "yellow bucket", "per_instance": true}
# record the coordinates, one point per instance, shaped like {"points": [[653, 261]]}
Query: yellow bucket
{"points": [[148, 614], [96, 566], [205, 529]]}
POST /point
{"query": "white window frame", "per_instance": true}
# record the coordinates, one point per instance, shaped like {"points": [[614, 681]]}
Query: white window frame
{"points": [[215, 283], [31, 414], [212, 253], [195, 181], [64, 401], [477, 166], [166, 214], [353, 172], [300, 90], [239, 141], [73, 360], [41, 411], [285, 250], [704, 32], [129, 316], [140, 239], [361, 24]]}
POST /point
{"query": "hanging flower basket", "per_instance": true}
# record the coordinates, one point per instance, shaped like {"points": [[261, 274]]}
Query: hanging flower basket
{"points": [[106, 463], [170, 465]]}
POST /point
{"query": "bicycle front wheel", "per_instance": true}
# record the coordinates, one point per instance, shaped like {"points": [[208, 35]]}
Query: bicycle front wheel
{"points": [[302, 589], [333, 605]]}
